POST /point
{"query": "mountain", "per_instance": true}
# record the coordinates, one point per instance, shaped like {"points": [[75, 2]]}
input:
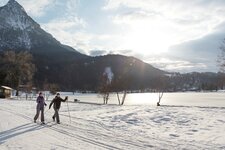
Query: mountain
{"points": [[87, 74], [61, 64], [15, 26], [20, 32]]}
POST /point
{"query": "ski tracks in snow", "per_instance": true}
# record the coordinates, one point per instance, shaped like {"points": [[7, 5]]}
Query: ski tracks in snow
{"points": [[85, 133], [64, 132], [99, 127], [78, 133]]}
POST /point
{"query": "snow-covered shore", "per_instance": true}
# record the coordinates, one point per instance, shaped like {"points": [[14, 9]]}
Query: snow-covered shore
{"points": [[112, 127]]}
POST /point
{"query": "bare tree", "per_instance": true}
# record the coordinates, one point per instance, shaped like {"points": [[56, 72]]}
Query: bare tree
{"points": [[160, 87], [121, 101], [104, 88], [160, 97], [221, 57], [106, 84], [221, 64], [120, 86], [124, 97]]}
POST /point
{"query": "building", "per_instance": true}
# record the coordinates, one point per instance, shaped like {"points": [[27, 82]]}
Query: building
{"points": [[5, 92]]}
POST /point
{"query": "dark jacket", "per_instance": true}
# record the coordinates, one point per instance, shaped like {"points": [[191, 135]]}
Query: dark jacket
{"points": [[57, 102]]}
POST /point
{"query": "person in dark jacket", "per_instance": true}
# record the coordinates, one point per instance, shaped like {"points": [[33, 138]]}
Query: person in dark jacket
{"points": [[56, 105], [40, 108]]}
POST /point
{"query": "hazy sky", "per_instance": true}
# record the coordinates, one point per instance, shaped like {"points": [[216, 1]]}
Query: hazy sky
{"points": [[174, 35]]}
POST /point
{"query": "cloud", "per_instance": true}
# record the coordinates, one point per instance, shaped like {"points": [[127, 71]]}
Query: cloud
{"points": [[73, 32], [194, 55], [195, 29], [77, 39], [33, 7], [192, 19], [68, 27], [204, 50], [3, 2], [71, 7], [199, 49], [98, 52], [132, 16], [41, 8], [177, 65], [65, 24], [186, 33], [37, 8]]}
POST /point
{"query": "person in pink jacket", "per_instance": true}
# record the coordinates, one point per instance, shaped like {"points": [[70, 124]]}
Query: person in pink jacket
{"points": [[40, 108]]}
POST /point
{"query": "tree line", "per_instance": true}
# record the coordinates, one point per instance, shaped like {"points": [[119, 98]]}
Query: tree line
{"points": [[23, 68], [16, 69]]}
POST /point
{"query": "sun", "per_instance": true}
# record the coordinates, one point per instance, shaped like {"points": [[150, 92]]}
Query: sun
{"points": [[146, 39]]}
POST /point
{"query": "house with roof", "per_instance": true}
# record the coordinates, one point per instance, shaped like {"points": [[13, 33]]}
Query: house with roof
{"points": [[5, 92]]}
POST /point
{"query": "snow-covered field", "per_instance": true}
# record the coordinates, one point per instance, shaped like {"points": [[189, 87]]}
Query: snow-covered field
{"points": [[112, 127]]}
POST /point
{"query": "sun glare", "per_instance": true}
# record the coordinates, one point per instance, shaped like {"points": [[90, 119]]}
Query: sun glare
{"points": [[147, 39]]}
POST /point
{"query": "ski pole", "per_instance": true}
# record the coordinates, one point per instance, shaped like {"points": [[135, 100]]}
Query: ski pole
{"points": [[68, 110], [47, 111]]}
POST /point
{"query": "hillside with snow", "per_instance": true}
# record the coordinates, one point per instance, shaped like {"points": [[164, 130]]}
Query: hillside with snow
{"points": [[111, 127]]}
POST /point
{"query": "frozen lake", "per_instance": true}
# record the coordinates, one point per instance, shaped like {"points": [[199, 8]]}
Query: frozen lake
{"points": [[211, 99]]}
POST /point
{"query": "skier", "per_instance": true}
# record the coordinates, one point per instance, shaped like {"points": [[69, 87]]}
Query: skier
{"points": [[57, 103], [40, 107]]}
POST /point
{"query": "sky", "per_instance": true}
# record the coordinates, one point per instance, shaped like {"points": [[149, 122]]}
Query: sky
{"points": [[173, 35]]}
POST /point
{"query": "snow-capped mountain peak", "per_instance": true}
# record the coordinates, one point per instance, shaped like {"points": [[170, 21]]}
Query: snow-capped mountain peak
{"points": [[13, 5], [20, 31], [13, 15]]}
